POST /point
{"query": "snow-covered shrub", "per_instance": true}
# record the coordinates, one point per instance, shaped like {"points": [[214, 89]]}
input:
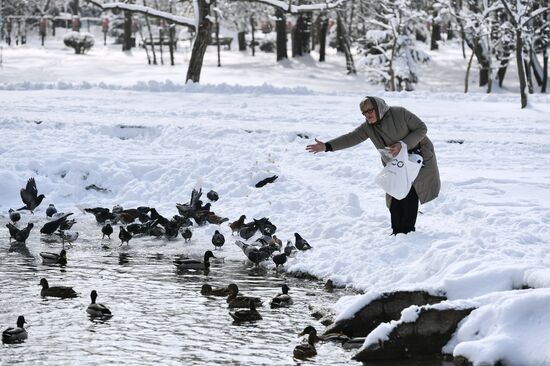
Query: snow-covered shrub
{"points": [[80, 41]]}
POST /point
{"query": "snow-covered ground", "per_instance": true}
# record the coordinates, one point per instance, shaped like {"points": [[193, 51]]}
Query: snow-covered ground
{"points": [[109, 119]]}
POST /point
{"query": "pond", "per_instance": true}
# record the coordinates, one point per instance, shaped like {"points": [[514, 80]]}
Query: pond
{"points": [[159, 315]]}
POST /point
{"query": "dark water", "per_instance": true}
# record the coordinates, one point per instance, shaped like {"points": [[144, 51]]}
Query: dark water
{"points": [[159, 314]]}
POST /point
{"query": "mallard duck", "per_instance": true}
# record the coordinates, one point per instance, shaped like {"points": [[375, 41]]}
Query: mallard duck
{"points": [[283, 299], [247, 315], [331, 337], [236, 301], [306, 350], [97, 310], [15, 335], [56, 291], [54, 258], [207, 290], [191, 263]]}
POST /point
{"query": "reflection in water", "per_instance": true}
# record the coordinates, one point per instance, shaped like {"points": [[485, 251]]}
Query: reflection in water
{"points": [[159, 315]]}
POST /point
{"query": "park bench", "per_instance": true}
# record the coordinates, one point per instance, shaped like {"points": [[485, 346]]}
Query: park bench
{"points": [[224, 41], [156, 41]]}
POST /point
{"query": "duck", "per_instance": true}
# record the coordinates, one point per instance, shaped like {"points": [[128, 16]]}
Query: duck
{"points": [[331, 337], [191, 263], [15, 335], [218, 239], [246, 315], [56, 291], [283, 299], [54, 258], [208, 290], [306, 350], [234, 300], [97, 310]]}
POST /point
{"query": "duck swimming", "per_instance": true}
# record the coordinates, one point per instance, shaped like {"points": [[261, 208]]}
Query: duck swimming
{"points": [[283, 299], [207, 290], [97, 310], [56, 291], [306, 350], [15, 335], [246, 315], [54, 258], [238, 301], [190, 263]]}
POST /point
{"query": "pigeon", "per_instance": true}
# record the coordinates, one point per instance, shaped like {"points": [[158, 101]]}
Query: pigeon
{"points": [[279, 260], [23, 234], [218, 239], [30, 196], [187, 234], [14, 215], [50, 210], [212, 196], [290, 249], [67, 224], [102, 214], [124, 236], [265, 181], [254, 254], [248, 230], [107, 229], [265, 226], [51, 226], [236, 225], [13, 230], [301, 243], [68, 236]]}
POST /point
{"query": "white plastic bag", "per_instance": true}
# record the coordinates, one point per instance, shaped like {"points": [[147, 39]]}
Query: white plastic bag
{"points": [[399, 174]]}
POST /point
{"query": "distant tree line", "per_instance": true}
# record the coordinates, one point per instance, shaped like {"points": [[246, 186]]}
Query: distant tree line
{"points": [[380, 38]]}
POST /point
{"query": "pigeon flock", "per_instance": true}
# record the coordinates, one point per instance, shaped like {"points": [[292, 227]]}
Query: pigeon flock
{"points": [[146, 221]]}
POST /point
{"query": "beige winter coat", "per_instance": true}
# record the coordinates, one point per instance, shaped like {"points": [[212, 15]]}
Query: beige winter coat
{"points": [[398, 124]]}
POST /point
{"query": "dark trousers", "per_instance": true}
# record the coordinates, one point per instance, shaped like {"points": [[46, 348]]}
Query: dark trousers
{"points": [[403, 213]]}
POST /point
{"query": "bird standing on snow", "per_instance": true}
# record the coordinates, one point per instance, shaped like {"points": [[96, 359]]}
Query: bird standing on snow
{"points": [[290, 249], [279, 260], [14, 215], [301, 243], [15, 335], [218, 239], [30, 197], [124, 236], [97, 310], [236, 225], [187, 234], [50, 210]]}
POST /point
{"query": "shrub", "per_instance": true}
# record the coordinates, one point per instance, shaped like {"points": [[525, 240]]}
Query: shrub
{"points": [[81, 42]]}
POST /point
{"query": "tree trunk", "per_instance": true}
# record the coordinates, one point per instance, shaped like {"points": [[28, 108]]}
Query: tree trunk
{"points": [[297, 37], [127, 40], [450, 33], [253, 30], [521, 71], [528, 76], [467, 77], [436, 35], [323, 26], [172, 35], [201, 42], [345, 44], [150, 36], [280, 27], [545, 71], [242, 40], [217, 27], [160, 45]]}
